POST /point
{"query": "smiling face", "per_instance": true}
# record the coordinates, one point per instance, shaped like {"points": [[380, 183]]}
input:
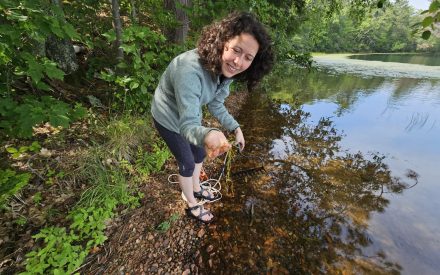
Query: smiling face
{"points": [[238, 54]]}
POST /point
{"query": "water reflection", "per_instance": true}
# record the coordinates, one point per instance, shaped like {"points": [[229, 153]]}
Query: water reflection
{"points": [[397, 117], [309, 212]]}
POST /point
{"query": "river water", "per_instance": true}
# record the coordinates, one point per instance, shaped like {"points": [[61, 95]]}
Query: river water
{"points": [[350, 153]]}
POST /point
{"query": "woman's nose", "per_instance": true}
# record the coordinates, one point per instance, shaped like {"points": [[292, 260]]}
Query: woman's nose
{"points": [[238, 60]]}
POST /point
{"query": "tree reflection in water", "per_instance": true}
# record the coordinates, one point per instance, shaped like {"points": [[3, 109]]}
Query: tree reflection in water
{"points": [[309, 213]]}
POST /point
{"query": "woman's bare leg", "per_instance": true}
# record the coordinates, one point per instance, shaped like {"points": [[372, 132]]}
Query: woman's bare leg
{"points": [[186, 184], [196, 176]]}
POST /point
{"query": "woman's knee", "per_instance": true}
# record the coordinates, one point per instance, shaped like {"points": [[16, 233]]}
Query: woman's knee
{"points": [[186, 169], [198, 153]]}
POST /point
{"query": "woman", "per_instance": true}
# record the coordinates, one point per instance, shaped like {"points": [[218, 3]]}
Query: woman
{"points": [[236, 48]]}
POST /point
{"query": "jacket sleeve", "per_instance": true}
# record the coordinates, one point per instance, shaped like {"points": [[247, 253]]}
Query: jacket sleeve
{"points": [[188, 91], [217, 108]]}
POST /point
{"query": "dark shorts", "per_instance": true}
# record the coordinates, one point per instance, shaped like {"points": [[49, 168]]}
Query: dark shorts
{"points": [[186, 154]]}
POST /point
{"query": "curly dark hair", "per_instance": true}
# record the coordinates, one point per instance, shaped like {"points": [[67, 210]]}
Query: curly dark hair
{"points": [[213, 38]]}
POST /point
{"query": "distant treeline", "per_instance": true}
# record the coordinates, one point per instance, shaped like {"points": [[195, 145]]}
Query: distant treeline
{"points": [[389, 29]]}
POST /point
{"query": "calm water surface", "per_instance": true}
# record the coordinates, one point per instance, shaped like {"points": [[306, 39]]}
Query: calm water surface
{"points": [[351, 175]]}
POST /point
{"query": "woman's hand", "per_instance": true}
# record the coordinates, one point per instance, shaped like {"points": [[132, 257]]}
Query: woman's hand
{"points": [[216, 144], [239, 138]]}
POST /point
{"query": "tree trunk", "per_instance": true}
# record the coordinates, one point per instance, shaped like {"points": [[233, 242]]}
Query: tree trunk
{"points": [[61, 50], [134, 17], [118, 30], [180, 33]]}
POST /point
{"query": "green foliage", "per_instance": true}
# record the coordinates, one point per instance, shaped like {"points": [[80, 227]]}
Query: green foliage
{"points": [[111, 184], [20, 221], [430, 20], [108, 183], [166, 225], [23, 31], [37, 198], [90, 222], [152, 162], [146, 56], [18, 118], [62, 253], [125, 135], [18, 152], [53, 176], [387, 29], [10, 184]]}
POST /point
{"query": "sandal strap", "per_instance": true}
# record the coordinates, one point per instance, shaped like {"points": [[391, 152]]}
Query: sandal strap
{"points": [[199, 193], [195, 207], [210, 194], [201, 213]]}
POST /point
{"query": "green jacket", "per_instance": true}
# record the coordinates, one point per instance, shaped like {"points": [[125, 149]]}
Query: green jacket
{"points": [[184, 88]]}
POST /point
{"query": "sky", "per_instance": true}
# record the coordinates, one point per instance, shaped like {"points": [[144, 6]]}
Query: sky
{"points": [[420, 4]]}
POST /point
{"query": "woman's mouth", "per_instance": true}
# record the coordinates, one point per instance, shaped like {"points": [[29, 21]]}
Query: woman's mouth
{"points": [[231, 69]]}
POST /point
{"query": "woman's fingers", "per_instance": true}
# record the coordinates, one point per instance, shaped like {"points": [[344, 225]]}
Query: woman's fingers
{"points": [[239, 138], [216, 144]]}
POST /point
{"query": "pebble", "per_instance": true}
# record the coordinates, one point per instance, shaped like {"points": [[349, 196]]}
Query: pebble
{"points": [[201, 233]]}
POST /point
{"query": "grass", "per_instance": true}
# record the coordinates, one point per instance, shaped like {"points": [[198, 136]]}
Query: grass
{"points": [[103, 175]]}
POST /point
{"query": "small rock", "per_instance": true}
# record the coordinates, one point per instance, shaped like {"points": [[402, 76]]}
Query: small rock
{"points": [[186, 272], [201, 233], [210, 248]]}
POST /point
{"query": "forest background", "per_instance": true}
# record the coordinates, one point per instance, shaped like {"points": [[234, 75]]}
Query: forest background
{"points": [[76, 81]]}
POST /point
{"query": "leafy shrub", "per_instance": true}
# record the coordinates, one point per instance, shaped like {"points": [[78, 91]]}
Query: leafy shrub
{"points": [[17, 119], [17, 152], [146, 55], [62, 253], [24, 29], [10, 184], [151, 162]]}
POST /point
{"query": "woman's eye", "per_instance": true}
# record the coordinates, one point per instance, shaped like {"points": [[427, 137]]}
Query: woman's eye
{"points": [[236, 50]]}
